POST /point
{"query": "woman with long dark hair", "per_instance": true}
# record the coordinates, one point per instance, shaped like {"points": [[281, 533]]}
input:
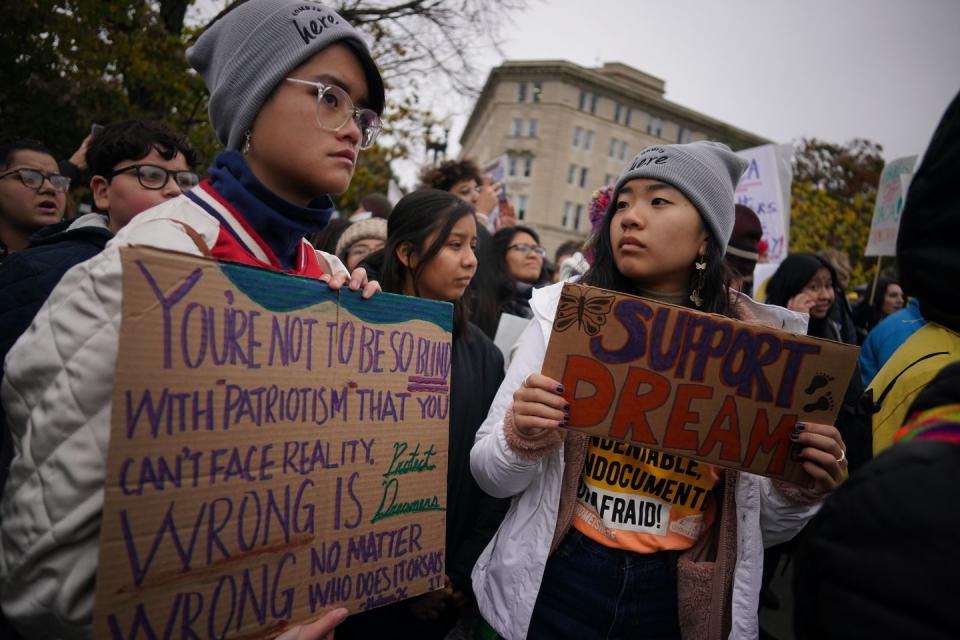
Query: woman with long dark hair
{"points": [[561, 567], [887, 299], [805, 282], [429, 253]]}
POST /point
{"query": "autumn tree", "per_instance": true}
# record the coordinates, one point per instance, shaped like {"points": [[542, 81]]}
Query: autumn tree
{"points": [[76, 62], [832, 198]]}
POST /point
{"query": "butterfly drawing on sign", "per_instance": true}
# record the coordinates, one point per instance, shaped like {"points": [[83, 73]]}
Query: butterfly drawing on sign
{"points": [[587, 312]]}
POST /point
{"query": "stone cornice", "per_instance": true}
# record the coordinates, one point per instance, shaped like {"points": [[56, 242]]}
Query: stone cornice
{"points": [[629, 92]]}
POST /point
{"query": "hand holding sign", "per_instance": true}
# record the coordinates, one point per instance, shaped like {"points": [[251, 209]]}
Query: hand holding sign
{"points": [[357, 280], [321, 629], [824, 454], [538, 405]]}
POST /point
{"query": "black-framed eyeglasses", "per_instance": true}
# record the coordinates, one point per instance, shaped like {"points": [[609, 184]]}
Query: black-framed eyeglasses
{"points": [[154, 177], [525, 249], [33, 179], [335, 108]]}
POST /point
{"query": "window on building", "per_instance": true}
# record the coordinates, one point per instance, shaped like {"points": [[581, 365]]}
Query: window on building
{"points": [[527, 166], [623, 149], [571, 174], [608, 179], [629, 116], [567, 211], [577, 132], [655, 126], [521, 207], [613, 148], [594, 99], [583, 100], [583, 176], [521, 92], [532, 127], [517, 126], [616, 112], [588, 141], [684, 135], [537, 90], [577, 216], [511, 166]]}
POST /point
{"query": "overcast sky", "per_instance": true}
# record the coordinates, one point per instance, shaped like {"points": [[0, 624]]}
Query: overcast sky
{"points": [[883, 70]]}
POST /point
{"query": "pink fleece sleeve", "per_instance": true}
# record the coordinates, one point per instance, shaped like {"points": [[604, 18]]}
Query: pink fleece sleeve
{"points": [[531, 446]]}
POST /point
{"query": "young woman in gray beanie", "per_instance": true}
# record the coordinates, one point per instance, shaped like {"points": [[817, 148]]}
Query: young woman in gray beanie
{"points": [[295, 97], [560, 566]]}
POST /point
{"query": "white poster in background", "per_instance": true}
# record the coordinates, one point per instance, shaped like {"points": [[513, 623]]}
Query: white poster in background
{"points": [[891, 194], [765, 188]]}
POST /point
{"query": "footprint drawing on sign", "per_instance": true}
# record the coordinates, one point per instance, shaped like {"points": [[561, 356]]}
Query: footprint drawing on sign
{"points": [[823, 403], [818, 381]]}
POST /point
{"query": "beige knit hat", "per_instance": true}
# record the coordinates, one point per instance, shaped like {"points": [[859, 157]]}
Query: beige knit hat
{"points": [[375, 228]]}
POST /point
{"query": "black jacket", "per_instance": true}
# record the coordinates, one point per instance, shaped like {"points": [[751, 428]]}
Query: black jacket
{"points": [[27, 279], [881, 559], [472, 516], [927, 244]]}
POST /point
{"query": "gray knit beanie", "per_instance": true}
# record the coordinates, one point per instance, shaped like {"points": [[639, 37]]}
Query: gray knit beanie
{"points": [[245, 54], [707, 173]]}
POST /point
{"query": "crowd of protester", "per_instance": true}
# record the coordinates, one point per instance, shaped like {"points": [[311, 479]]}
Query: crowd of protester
{"points": [[525, 554]]}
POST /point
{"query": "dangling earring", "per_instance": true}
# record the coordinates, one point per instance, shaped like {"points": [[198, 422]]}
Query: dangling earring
{"points": [[701, 266], [245, 149]]}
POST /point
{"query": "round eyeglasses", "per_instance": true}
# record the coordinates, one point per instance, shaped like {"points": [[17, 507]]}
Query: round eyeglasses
{"points": [[335, 108], [33, 179], [154, 177]]}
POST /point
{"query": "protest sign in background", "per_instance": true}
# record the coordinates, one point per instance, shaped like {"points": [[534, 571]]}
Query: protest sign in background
{"points": [[699, 385], [277, 449], [891, 195], [765, 188]]}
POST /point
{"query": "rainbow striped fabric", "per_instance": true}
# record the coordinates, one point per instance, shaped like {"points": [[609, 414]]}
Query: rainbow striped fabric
{"points": [[940, 423]]}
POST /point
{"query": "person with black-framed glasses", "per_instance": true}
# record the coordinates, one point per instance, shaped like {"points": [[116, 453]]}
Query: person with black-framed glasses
{"points": [[29, 276], [33, 194]]}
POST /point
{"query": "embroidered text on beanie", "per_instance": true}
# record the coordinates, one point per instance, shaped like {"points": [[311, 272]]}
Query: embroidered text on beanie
{"points": [[705, 172], [251, 49]]}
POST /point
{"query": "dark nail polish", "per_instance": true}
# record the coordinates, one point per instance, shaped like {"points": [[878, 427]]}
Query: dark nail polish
{"points": [[566, 417], [561, 424], [566, 407], [559, 388], [794, 436], [800, 427]]}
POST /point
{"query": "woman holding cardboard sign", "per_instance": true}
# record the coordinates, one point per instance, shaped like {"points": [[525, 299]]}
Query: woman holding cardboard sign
{"points": [[294, 96], [430, 253], [581, 555]]}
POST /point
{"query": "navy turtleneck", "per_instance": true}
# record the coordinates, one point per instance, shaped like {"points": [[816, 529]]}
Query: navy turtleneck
{"points": [[281, 224]]}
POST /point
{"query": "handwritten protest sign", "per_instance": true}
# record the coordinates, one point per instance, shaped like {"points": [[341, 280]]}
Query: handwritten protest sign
{"points": [[891, 195], [276, 449], [761, 189], [699, 385]]}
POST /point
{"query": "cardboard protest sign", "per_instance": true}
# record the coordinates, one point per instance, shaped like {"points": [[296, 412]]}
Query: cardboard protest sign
{"points": [[277, 449], [765, 188], [891, 195], [698, 385]]}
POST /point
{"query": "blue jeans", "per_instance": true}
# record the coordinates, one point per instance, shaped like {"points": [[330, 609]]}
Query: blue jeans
{"points": [[592, 591]]}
